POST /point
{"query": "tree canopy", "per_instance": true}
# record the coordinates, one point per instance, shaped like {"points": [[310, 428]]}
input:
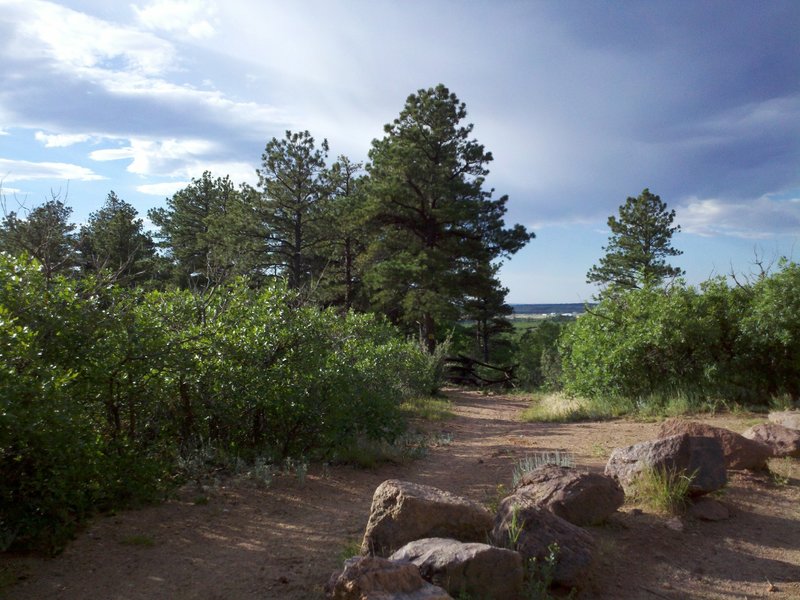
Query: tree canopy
{"points": [[639, 245]]}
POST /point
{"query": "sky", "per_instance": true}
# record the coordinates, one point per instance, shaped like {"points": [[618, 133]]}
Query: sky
{"points": [[581, 103]]}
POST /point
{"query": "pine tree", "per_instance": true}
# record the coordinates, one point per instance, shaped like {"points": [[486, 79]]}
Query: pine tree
{"points": [[640, 242], [435, 224]]}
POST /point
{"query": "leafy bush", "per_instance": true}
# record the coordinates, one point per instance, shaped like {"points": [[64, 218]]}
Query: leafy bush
{"points": [[699, 346], [108, 393]]}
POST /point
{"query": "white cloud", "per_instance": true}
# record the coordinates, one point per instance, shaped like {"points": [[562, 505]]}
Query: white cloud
{"points": [[167, 188], [762, 218], [23, 170], [60, 140], [168, 158], [190, 17], [81, 43], [184, 159]]}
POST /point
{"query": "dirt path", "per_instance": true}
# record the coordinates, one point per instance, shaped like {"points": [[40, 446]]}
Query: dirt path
{"points": [[282, 542]]}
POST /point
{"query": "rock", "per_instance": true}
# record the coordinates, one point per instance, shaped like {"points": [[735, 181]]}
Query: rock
{"points": [[403, 512], [700, 456], [708, 509], [477, 570], [375, 578], [740, 453], [787, 418], [783, 441], [537, 529], [580, 497]]}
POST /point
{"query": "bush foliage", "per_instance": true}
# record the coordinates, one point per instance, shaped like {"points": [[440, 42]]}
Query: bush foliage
{"points": [[713, 343], [105, 389]]}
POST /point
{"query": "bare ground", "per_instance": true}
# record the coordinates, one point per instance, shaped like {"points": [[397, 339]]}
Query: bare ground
{"points": [[283, 541]]}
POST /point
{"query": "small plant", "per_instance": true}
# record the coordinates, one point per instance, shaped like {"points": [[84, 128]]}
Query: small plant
{"points": [[350, 548], [262, 472], [663, 490], [493, 500], [598, 450], [200, 500], [515, 528], [538, 459]]}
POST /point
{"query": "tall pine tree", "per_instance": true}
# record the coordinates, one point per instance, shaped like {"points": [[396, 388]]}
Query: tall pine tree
{"points": [[437, 227]]}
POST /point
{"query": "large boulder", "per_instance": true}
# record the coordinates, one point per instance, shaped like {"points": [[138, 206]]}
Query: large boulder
{"points": [[740, 453], [787, 418], [477, 570], [403, 512], [580, 497], [375, 578], [532, 530], [698, 456], [781, 440]]}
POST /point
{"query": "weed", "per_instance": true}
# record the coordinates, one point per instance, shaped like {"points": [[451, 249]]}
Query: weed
{"points": [[515, 528], [350, 548], [493, 500], [663, 490], [538, 459], [144, 541], [200, 501], [781, 471], [262, 472], [598, 450]]}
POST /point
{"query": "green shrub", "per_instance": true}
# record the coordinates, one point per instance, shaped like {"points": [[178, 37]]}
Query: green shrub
{"points": [[107, 394]]}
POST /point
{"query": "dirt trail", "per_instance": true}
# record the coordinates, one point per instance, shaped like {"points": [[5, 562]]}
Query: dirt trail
{"points": [[282, 542]]}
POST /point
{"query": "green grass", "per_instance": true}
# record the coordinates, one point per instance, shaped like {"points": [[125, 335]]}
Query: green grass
{"points": [[663, 490], [428, 408]]}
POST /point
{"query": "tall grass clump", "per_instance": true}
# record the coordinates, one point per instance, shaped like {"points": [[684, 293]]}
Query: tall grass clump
{"points": [[533, 461], [663, 490]]}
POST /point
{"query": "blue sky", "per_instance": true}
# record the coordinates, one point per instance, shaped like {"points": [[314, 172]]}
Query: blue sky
{"points": [[581, 103]]}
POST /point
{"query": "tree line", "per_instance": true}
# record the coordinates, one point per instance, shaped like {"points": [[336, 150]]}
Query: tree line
{"points": [[414, 234]]}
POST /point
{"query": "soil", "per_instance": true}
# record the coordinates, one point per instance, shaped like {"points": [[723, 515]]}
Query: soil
{"points": [[236, 540]]}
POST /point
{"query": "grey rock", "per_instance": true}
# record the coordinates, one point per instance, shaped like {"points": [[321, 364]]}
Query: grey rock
{"points": [[531, 530], [478, 570], [781, 440], [787, 418], [375, 578], [708, 509], [580, 497], [699, 456], [403, 512], [740, 452]]}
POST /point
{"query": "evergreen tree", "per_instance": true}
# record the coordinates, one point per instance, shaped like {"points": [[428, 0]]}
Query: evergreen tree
{"points": [[46, 235], [436, 226], [640, 242], [210, 232], [114, 241], [341, 282], [291, 207]]}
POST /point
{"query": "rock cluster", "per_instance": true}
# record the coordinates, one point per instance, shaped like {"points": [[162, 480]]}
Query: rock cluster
{"points": [[423, 543]]}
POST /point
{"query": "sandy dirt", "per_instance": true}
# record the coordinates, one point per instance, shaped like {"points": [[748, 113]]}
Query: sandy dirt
{"points": [[283, 542]]}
